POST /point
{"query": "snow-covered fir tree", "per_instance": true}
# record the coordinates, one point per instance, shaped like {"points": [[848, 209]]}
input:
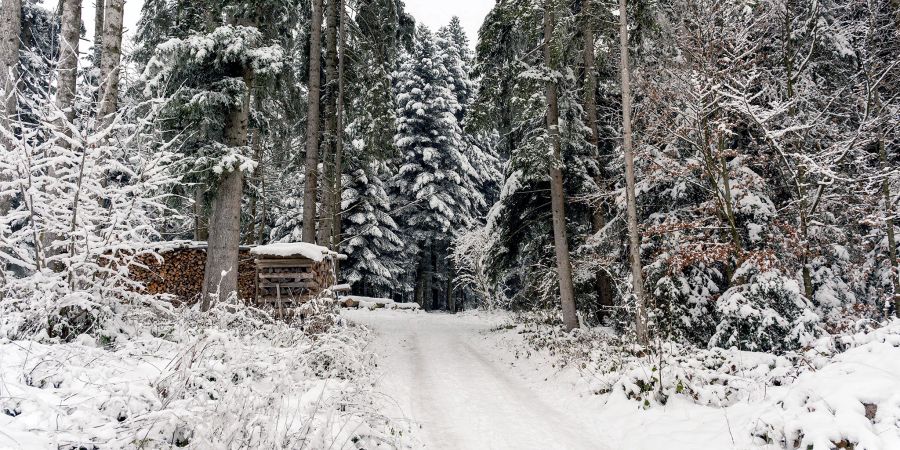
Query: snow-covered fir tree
{"points": [[370, 239], [436, 186]]}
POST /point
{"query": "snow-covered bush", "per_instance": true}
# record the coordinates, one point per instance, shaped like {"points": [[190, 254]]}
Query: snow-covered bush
{"points": [[84, 204], [841, 391], [230, 378], [852, 401], [767, 314], [471, 259]]}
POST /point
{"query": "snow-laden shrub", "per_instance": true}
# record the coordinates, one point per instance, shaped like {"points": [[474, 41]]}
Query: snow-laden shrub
{"points": [[651, 376], [851, 401], [83, 203], [768, 313], [471, 258], [230, 378], [685, 301], [841, 391]]}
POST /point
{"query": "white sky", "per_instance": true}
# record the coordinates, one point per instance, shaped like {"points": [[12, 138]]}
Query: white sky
{"points": [[432, 13], [437, 13]]}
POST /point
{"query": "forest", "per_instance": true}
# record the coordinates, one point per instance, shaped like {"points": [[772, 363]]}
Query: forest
{"points": [[642, 187]]}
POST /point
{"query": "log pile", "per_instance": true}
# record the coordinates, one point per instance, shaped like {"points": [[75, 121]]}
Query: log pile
{"points": [[290, 274], [293, 280], [181, 272]]}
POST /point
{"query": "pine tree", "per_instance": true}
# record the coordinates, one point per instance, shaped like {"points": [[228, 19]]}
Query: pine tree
{"points": [[10, 30], [67, 65], [371, 243], [479, 146], [435, 183]]}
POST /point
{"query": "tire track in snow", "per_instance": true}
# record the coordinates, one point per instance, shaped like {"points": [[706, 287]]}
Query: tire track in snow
{"points": [[440, 374]]}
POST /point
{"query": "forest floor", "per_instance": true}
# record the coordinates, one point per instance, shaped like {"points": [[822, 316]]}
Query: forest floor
{"points": [[451, 379], [474, 381]]}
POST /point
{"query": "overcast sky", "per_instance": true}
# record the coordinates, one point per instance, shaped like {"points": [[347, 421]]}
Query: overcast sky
{"points": [[432, 13], [437, 13]]}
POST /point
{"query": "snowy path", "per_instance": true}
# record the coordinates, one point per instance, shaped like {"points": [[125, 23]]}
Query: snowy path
{"points": [[461, 390]]}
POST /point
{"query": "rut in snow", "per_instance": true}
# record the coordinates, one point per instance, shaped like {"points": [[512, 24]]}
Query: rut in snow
{"points": [[445, 376]]}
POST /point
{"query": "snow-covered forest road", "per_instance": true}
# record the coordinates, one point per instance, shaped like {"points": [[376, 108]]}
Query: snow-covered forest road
{"points": [[460, 388]]}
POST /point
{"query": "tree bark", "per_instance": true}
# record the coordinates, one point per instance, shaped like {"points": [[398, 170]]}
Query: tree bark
{"points": [[634, 237], [557, 193], [110, 60], [220, 278], [201, 230], [451, 299], [598, 219], [328, 137], [420, 279], [67, 66], [889, 224], [312, 127], [10, 31], [339, 137], [99, 13]]}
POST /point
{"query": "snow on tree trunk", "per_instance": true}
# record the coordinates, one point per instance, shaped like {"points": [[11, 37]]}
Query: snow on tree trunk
{"points": [[889, 224], [10, 30], [634, 238], [312, 126], [67, 66], [110, 59], [557, 194], [221, 276], [99, 23]]}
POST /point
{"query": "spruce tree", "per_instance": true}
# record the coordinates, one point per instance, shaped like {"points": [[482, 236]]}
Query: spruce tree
{"points": [[371, 242], [436, 185]]}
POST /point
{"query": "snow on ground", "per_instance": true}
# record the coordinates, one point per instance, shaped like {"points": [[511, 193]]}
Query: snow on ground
{"points": [[448, 379], [475, 380], [229, 379], [472, 381]]}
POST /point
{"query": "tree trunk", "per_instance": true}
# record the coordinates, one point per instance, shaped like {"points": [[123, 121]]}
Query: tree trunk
{"points": [[201, 230], [10, 31], [110, 60], [260, 236], [339, 137], [220, 279], [254, 192], [557, 194], [436, 268], [451, 299], [634, 237], [428, 293], [328, 137], [889, 224], [67, 66], [598, 219], [99, 13], [312, 125], [420, 281]]}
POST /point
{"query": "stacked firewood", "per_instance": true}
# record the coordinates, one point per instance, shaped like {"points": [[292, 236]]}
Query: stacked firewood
{"points": [[292, 280], [181, 273]]}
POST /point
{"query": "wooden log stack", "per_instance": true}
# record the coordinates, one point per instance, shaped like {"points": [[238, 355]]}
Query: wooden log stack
{"points": [[289, 275], [294, 280], [181, 272]]}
